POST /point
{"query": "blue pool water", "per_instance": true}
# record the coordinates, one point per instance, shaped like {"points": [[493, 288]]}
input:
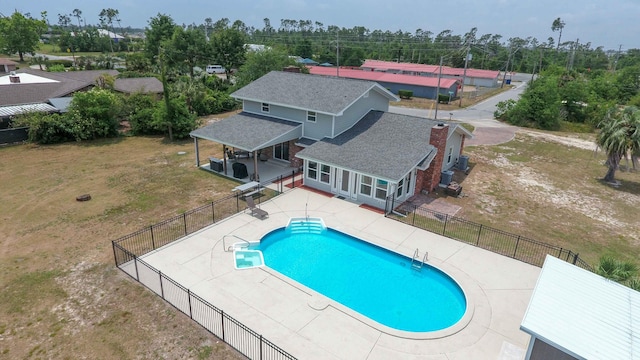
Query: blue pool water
{"points": [[375, 282], [246, 259]]}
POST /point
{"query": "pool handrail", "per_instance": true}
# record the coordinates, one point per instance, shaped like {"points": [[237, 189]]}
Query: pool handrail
{"points": [[231, 247]]}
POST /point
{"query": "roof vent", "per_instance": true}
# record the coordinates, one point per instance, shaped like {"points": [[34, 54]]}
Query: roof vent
{"points": [[440, 124]]}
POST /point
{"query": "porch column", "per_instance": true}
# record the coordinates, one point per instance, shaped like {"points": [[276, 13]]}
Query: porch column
{"points": [[255, 165], [195, 140], [224, 158]]}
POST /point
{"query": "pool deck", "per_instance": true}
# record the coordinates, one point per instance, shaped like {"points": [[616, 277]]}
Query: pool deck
{"points": [[310, 326]]}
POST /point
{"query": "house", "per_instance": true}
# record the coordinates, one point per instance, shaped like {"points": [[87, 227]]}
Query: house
{"points": [[576, 314], [339, 131], [422, 86], [7, 66], [477, 77]]}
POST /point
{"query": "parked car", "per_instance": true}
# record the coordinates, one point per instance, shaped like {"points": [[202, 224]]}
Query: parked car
{"points": [[215, 69]]}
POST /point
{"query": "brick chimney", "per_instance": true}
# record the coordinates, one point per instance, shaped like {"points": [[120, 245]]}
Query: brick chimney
{"points": [[438, 138]]}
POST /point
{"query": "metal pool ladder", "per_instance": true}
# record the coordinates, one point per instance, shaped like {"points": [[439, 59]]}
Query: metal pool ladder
{"points": [[416, 264]]}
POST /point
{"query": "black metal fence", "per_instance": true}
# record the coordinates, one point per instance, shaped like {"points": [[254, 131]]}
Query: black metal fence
{"points": [[14, 135], [127, 249], [512, 245]]}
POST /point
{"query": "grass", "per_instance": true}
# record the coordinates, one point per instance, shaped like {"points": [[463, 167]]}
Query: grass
{"points": [[58, 285], [553, 193]]}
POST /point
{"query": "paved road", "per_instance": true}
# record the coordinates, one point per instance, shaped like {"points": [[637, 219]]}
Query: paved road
{"points": [[488, 131]]}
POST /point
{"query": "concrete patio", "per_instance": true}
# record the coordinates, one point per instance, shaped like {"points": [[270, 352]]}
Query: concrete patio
{"points": [[310, 326]]}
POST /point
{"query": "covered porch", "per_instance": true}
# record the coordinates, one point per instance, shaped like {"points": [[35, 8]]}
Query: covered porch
{"points": [[254, 147]]}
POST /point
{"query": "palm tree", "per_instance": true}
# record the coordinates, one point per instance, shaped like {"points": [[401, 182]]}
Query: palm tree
{"points": [[558, 25], [616, 270], [619, 134]]}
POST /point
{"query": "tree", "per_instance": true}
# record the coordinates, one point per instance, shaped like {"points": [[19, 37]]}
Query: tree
{"points": [[558, 25], [20, 34], [106, 17], [616, 270], [77, 13], [228, 49], [259, 63], [187, 48], [160, 29], [619, 135]]}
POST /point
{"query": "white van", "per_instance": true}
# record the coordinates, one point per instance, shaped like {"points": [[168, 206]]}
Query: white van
{"points": [[215, 69]]}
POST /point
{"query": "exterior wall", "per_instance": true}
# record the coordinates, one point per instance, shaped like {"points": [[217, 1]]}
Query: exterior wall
{"points": [[455, 143], [293, 150], [318, 130], [543, 351], [321, 128], [375, 101], [439, 140]]}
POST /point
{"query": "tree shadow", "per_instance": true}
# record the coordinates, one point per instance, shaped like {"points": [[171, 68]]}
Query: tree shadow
{"points": [[630, 187]]}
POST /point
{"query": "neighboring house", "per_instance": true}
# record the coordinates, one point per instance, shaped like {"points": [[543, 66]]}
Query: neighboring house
{"points": [[7, 66], [422, 86], [576, 314], [113, 36], [477, 77], [339, 131], [145, 85], [307, 61]]}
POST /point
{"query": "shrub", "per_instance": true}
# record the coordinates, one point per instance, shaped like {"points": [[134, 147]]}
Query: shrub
{"points": [[64, 63], [56, 68], [95, 114], [46, 128], [182, 122], [138, 109], [405, 94], [444, 99]]}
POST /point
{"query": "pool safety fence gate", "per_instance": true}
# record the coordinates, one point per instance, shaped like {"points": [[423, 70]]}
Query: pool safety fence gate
{"points": [[128, 249], [501, 242], [215, 320]]}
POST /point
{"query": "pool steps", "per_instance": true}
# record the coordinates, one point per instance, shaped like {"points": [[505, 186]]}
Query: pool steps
{"points": [[416, 264], [306, 225]]}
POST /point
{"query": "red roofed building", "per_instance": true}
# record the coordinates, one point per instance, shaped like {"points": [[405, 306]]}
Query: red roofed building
{"points": [[422, 86], [484, 78]]}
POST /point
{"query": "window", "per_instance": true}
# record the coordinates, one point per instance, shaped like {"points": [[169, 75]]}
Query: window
{"points": [[407, 184], [400, 188], [325, 173], [449, 156], [311, 116], [381, 189], [265, 107], [312, 170], [281, 151], [366, 183]]}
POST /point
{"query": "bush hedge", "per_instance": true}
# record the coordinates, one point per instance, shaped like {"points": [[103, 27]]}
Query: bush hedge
{"points": [[405, 94]]}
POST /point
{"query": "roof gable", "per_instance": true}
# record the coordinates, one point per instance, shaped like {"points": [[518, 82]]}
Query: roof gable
{"points": [[329, 95]]}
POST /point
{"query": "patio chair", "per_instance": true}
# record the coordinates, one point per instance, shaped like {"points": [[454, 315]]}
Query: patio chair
{"points": [[255, 211]]}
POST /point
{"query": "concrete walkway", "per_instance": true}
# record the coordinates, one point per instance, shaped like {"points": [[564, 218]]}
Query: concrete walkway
{"points": [[310, 326]]}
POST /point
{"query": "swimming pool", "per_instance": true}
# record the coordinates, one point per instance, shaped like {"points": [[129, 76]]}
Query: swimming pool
{"points": [[375, 282], [247, 259]]}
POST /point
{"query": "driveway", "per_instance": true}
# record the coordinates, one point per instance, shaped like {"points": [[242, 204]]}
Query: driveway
{"points": [[488, 131]]}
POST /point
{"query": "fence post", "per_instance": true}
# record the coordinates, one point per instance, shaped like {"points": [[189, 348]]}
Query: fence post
{"points": [[184, 220], [293, 179], [516, 249], [135, 263], [213, 213], [222, 322], [260, 347], [575, 259], [189, 297], [153, 242], [444, 228], [479, 232], [161, 287], [413, 221], [115, 257], [560, 253], [237, 202]]}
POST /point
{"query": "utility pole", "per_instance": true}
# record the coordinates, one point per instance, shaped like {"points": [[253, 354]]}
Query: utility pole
{"points": [[506, 68], [615, 64], [438, 90], [464, 75], [338, 53]]}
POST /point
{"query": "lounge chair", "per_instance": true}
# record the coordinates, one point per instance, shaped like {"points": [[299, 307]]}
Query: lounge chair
{"points": [[255, 211]]}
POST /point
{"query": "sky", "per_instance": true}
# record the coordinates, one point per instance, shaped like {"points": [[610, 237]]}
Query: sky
{"points": [[609, 23]]}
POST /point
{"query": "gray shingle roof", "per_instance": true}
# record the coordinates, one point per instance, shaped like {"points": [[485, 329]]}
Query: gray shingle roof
{"points": [[322, 94], [145, 85], [68, 83], [383, 145], [248, 131]]}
